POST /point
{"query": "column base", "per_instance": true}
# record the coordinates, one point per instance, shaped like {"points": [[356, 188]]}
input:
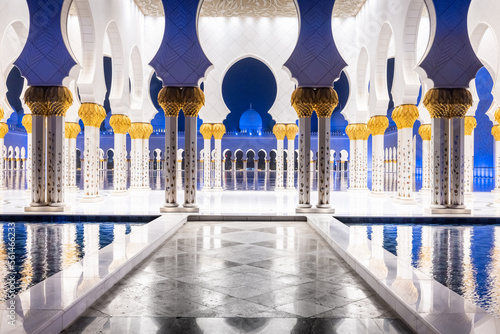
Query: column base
{"points": [[3, 188], [206, 189], [425, 190], [358, 190], [447, 211], [46, 208], [119, 193], [290, 189], [217, 189], [316, 209], [91, 199], [405, 200], [378, 194], [279, 189], [71, 188]]}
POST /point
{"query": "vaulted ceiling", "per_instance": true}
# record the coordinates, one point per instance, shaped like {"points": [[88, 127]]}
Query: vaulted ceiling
{"points": [[343, 8]]}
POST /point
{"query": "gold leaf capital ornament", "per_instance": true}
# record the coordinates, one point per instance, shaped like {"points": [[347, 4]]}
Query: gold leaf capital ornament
{"points": [[48, 100], [448, 102], [27, 122], [357, 131], [405, 116], [497, 115], [120, 123], [206, 130], [425, 131], [136, 130], [147, 130], [495, 131], [189, 99], [71, 130], [4, 128], [92, 114], [279, 131], [2, 113], [218, 130], [470, 124], [291, 131], [377, 125], [306, 99]]}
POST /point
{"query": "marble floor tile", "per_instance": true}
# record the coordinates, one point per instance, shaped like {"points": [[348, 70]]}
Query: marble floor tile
{"points": [[303, 308]]}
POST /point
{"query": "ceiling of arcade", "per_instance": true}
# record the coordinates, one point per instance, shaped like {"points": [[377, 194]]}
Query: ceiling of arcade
{"points": [[286, 8]]}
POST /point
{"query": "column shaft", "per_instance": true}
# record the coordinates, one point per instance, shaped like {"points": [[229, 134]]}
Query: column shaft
{"points": [[55, 160], [405, 166], [456, 192], [290, 173], [38, 190], [145, 164], [279, 164], [352, 164], [323, 162], [2, 166], [439, 155], [206, 164], [120, 174], [218, 164], [304, 162], [426, 164], [190, 168], [90, 162], [29, 161], [469, 163], [377, 163], [170, 161]]}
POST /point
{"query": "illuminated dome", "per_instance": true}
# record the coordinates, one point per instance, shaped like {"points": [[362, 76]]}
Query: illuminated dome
{"points": [[251, 122]]}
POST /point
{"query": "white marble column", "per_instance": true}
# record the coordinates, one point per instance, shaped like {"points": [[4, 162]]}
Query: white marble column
{"points": [[377, 126], [279, 131], [324, 160], [470, 124], [425, 132], [27, 123], [218, 130], [358, 165], [439, 162], [55, 160], [190, 168], [304, 181], [405, 116], [38, 189], [456, 191], [3, 131], [146, 154], [206, 130], [291, 133], [171, 161], [120, 124], [71, 132]]}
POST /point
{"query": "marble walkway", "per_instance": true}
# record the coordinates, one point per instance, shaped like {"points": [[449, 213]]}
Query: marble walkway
{"points": [[241, 277]]}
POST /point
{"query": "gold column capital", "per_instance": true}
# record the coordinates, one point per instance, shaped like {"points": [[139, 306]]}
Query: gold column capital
{"points": [[291, 131], [425, 131], [4, 128], [357, 131], [2, 113], [48, 100], [497, 115], [193, 99], [307, 99], [279, 130], [495, 131], [147, 130], [27, 122], [120, 123], [71, 130], [470, 124], [170, 101], [448, 102], [92, 114], [206, 130], [405, 116], [377, 125], [218, 130], [325, 101]]}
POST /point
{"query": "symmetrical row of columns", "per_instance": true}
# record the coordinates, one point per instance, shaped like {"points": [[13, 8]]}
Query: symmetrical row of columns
{"points": [[281, 131]]}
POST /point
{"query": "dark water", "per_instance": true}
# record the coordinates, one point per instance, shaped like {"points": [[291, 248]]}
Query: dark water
{"points": [[466, 259], [43, 249]]}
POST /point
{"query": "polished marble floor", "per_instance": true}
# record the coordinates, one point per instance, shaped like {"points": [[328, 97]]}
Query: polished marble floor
{"points": [[241, 277]]}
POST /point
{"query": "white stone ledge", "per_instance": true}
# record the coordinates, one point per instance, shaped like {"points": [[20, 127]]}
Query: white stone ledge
{"points": [[423, 303], [53, 304]]}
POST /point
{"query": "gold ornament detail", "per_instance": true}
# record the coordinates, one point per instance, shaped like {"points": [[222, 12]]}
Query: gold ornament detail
{"points": [[358, 131], [4, 128], [189, 99], [2, 113], [120, 123], [405, 116], [305, 100], [425, 131], [497, 115], [448, 102], [291, 131], [470, 124], [170, 101], [495, 131], [206, 130], [377, 125], [27, 122], [48, 100], [71, 130], [92, 114], [136, 130], [218, 130], [147, 130], [193, 99], [279, 131]]}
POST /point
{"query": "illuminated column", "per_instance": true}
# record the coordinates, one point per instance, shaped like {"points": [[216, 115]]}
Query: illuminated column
{"points": [[279, 131], [206, 130], [146, 133], [169, 100], [425, 131], [495, 131], [325, 102], [136, 132], [27, 125], [349, 130], [447, 108], [470, 124], [3, 131], [48, 105], [121, 125], [193, 99], [358, 167], [291, 133], [92, 116], [405, 116], [377, 126], [218, 131], [71, 132]]}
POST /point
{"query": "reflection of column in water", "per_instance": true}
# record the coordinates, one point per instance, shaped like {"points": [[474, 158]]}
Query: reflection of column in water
{"points": [[494, 274], [70, 254], [377, 263], [403, 284], [343, 181], [17, 179], [358, 243], [469, 282], [3, 264], [90, 247], [426, 265], [27, 266], [119, 250]]}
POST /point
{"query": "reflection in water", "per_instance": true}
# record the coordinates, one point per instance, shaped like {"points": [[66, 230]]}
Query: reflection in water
{"points": [[465, 259], [41, 250]]}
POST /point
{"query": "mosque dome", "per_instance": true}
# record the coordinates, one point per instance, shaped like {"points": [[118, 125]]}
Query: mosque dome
{"points": [[251, 122]]}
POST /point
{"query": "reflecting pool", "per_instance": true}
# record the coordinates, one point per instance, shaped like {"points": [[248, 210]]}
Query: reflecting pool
{"points": [[465, 258], [42, 249]]}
